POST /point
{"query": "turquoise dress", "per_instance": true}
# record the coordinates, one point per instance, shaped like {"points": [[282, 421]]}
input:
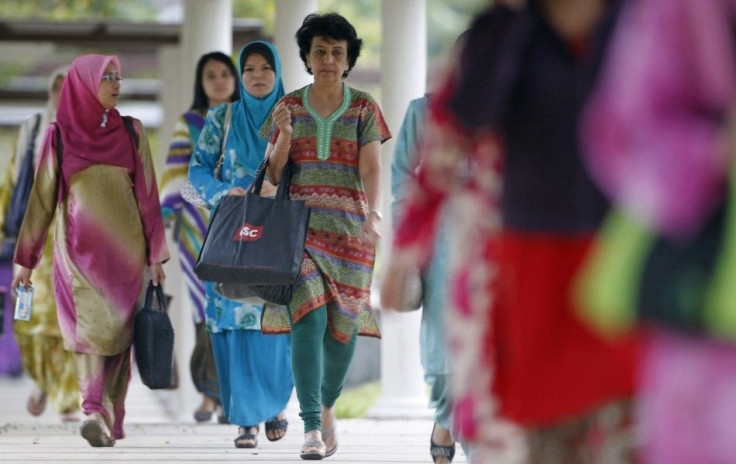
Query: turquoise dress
{"points": [[254, 369]]}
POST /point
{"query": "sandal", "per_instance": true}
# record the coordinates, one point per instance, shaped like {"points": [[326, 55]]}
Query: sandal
{"points": [[274, 425], [202, 416], [221, 417], [246, 435], [69, 416], [317, 452], [36, 402], [440, 451], [325, 435], [93, 430]]}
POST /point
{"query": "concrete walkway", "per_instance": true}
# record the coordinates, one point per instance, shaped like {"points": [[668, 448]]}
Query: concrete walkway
{"points": [[154, 437]]}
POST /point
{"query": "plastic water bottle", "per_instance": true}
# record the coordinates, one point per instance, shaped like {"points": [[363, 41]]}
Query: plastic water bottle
{"points": [[23, 303]]}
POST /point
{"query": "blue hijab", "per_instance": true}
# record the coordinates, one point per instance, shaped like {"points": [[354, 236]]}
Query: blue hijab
{"points": [[249, 112]]}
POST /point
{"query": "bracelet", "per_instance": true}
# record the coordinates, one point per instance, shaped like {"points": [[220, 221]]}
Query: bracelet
{"points": [[378, 214]]}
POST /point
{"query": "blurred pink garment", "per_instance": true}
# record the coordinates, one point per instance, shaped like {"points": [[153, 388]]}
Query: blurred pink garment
{"points": [[688, 406], [653, 132]]}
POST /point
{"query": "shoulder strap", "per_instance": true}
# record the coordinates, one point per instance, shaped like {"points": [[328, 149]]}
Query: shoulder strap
{"points": [[130, 127], [36, 126], [59, 144], [228, 118]]}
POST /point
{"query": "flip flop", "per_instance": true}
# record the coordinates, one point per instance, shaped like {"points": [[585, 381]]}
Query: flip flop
{"points": [[36, 402], [245, 435], [69, 416], [202, 416], [312, 455], [440, 451], [93, 431], [274, 425], [329, 433]]}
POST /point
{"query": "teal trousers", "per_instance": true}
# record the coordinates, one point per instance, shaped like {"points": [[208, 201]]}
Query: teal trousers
{"points": [[319, 363]]}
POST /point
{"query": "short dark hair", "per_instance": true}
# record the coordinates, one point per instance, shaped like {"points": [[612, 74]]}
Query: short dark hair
{"points": [[330, 26], [201, 102]]}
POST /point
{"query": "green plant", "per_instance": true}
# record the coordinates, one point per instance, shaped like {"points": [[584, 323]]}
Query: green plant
{"points": [[355, 402]]}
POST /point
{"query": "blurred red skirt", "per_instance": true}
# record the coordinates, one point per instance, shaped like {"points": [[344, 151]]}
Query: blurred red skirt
{"points": [[549, 365]]}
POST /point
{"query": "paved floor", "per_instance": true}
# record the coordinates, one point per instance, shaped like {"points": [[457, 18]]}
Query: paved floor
{"points": [[153, 437]]}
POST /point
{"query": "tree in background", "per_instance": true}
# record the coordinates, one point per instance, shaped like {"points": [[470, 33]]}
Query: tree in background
{"points": [[129, 10], [445, 20]]}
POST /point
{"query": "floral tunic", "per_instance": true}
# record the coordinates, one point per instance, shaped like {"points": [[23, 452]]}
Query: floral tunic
{"points": [[337, 266], [190, 222], [222, 314]]}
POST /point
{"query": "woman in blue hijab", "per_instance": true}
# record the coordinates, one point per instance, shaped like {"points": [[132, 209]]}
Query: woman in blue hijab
{"points": [[254, 370]]}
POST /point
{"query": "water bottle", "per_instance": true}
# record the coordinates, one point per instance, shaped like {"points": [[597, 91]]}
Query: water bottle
{"points": [[23, 303]]}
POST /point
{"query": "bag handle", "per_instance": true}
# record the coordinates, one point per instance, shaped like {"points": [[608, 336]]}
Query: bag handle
{"points": [[34, 134], [221, 160], [158, 289], [282, 191]]}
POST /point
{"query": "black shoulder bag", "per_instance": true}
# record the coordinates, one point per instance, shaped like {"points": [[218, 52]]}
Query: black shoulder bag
{"points": [[19, 196]]}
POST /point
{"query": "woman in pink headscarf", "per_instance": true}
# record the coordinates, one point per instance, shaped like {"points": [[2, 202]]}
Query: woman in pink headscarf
{"points": [[95, 169]]}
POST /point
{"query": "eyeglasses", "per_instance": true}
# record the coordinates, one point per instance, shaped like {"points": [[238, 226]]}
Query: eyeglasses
{"points": [[109, 77]]}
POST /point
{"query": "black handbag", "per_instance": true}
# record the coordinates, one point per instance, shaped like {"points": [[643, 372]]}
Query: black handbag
{"points": [[154, 341], [677, 275], [19, 197], [255, 245]]}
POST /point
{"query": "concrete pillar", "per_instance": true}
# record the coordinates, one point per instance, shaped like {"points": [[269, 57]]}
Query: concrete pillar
{"points": [[403, 74], [207, 27], [289, 17]]}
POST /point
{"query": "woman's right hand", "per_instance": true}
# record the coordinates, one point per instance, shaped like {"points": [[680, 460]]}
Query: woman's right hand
{"points": [[282, 118], [237, 191], [22, 276]]}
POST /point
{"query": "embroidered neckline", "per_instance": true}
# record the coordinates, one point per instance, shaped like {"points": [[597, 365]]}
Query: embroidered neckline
{"points": [[325, 125]]}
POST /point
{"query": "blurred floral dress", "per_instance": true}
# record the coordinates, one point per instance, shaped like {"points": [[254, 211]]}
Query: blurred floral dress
{"points": [[532, 383]]}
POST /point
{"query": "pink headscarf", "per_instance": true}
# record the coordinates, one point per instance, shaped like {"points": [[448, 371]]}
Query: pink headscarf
{"points": [[79, 117]]}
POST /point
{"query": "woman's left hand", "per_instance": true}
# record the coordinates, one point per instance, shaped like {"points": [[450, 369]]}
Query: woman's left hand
{"points": [[370, 232], [157, 274]]}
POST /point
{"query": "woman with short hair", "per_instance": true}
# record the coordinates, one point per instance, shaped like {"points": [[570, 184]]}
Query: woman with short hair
{"points": [[330, 135]]}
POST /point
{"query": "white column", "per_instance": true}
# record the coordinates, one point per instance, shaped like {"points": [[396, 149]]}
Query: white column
{"points": [[207, 27], [289, 17], [403, 74]]}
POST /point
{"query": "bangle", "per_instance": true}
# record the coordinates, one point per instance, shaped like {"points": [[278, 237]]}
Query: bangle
{"points": [[378, 214]]}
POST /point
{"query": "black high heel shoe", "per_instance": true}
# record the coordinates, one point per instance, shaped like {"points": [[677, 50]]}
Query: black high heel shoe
{"points": [[440, 451]]}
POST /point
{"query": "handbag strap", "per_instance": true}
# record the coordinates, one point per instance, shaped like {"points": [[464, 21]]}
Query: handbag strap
{"points": [[282, 191], [34, 134], [158, 289], [228, 118]]}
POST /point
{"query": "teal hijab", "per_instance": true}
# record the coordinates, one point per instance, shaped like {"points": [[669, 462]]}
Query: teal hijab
{"points": [[249, 112]]}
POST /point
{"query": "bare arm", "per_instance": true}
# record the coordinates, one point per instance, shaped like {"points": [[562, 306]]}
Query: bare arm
{"points": [[369, 167], [278, 153]]}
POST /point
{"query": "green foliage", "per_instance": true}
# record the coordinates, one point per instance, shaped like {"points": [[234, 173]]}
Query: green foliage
{"points": [[129, 10], [355, 402], [9, 70], [447, 20], [365, 15], [260, 9]]}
